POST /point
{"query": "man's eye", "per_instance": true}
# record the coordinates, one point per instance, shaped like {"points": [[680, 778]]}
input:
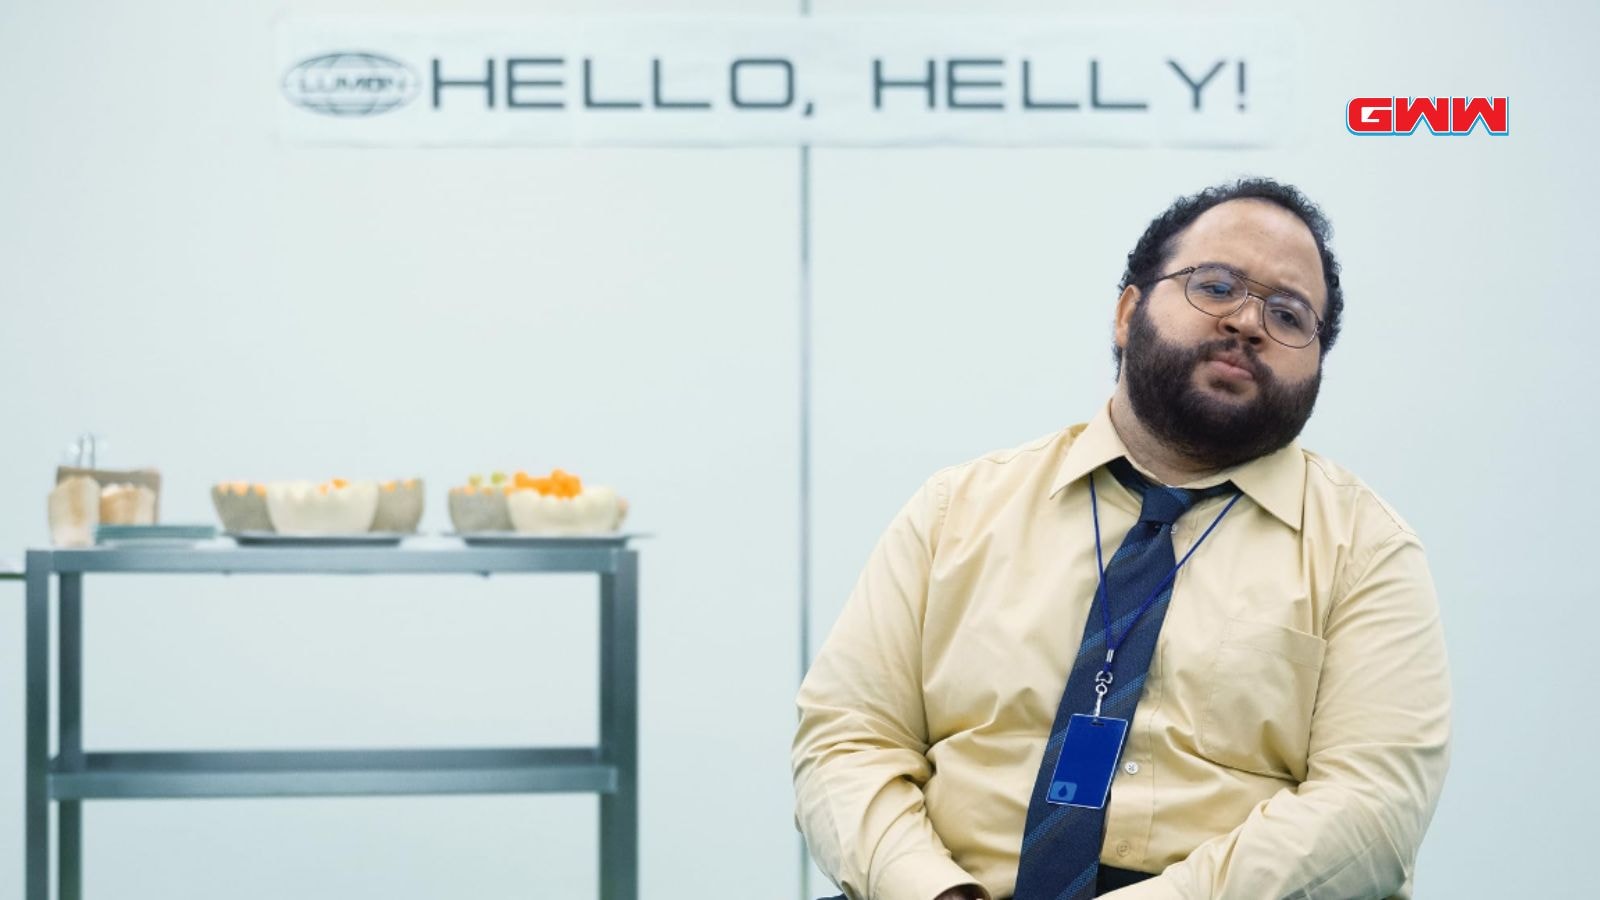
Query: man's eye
{"points": [[1215, 288], [1290, 312]]}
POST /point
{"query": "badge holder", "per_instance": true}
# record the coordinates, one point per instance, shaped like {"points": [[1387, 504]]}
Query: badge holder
{"points": [[1089, 754]]}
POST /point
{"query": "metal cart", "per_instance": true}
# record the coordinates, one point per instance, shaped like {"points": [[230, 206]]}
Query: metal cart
{"points": [[73, 775]]}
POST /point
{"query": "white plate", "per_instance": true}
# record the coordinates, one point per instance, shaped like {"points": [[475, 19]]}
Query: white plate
{"points": [[273, 539], [516, 539], [160, 542], [153, 535]]}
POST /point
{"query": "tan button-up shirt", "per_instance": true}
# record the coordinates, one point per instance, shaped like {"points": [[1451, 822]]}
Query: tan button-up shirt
{"points": [[1293, 732]]}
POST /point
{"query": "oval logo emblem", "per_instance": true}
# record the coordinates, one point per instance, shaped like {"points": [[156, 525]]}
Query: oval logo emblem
{"points": [[350, 84]]}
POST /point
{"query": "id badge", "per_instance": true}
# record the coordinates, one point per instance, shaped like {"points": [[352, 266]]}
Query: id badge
{"points": [[1088, 761]]}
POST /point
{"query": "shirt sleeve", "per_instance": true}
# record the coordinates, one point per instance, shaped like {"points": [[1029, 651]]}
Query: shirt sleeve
{"points": [[860, 752], [1378, 753]]}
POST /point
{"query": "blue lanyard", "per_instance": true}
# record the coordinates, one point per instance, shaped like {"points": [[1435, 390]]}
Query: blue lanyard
{"points": [[1102, 679]]}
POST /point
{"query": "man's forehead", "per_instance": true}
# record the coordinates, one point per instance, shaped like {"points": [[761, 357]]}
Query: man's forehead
{"points": [[1261, 240]]}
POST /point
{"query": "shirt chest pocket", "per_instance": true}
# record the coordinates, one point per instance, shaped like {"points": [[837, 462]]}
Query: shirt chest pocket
{"points": [[1260, 694]]}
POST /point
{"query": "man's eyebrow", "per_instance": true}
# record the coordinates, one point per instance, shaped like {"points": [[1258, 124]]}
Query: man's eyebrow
{"points": [[1276, 289]]}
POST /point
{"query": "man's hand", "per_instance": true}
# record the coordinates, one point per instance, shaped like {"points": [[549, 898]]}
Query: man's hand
{"points": [[964, 892]]}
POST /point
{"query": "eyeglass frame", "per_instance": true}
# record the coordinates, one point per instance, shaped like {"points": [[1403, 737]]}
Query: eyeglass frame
{"points": [[1190, 270]]}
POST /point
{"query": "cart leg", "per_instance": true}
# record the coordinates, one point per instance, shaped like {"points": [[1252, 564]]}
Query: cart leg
{"points": [[619, 727], [36, 804], [70, 824], [69, 813]]}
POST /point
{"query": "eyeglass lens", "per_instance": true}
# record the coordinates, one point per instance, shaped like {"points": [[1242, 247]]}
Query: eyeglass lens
{"points": [[1219, 292]]}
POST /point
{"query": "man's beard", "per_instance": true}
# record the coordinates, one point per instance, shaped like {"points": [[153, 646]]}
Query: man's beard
{"points": [[1212, 432]]}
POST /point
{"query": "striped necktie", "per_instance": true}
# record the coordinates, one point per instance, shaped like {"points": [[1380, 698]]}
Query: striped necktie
{"points": [[1061, 844]]}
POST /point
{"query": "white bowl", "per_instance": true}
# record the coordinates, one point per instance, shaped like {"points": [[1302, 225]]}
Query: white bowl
{"points": [[597, 510], [302, 507]]}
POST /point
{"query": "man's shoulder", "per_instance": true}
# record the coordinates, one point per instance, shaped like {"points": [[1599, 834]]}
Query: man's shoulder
{"points": [[1330, 486], [1023, 462]]}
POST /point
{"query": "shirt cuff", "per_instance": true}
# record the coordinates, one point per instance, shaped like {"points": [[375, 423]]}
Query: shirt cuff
{"points": [[922, 876], [1157, 888]]}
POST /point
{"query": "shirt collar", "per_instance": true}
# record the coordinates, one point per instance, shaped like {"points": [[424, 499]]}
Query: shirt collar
{"points": [[1276, 482]]}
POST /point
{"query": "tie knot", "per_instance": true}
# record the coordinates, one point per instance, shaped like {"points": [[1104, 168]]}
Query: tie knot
{"points": [[1161, 504]]}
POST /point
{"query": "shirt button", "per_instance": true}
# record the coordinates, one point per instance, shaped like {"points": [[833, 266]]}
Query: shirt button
{"points": [[1132, 768], [1122, 848]]}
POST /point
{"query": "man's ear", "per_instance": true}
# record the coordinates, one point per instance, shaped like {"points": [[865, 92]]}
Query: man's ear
{"points": [[1125, 306]]}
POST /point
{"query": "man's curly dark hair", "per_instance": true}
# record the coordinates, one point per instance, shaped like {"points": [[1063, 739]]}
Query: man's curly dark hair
{"points": [[1154, 251]]}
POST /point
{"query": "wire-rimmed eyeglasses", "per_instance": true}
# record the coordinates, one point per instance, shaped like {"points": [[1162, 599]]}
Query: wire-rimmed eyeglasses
{"points": [[1220, 292]]}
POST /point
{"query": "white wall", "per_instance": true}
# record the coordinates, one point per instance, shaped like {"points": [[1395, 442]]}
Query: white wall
{"points": [[225, 306]]}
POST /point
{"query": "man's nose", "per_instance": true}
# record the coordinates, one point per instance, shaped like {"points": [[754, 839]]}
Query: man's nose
{"points": [[1246, 322]]}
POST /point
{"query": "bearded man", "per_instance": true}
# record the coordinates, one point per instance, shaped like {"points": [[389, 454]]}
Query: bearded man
{"points": [[1169, 653]]}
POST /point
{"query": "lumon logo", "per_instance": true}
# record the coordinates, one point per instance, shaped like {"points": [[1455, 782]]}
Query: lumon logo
{"points": [[350, 84]]}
